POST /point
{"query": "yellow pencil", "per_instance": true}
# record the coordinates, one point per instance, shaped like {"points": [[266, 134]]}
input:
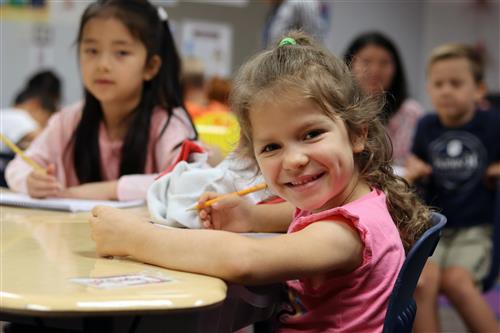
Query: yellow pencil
{"points": [[19, 152], [246, 191]]}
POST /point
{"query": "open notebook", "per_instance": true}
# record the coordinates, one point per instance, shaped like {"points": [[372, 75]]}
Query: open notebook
{"points": [[70, 205]]}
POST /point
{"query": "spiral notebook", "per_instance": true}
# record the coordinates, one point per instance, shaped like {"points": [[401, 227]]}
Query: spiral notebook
{"points": [[69, 205]]}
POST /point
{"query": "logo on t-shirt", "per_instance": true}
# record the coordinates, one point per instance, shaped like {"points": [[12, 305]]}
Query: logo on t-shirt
{"points": [[458, 160]]}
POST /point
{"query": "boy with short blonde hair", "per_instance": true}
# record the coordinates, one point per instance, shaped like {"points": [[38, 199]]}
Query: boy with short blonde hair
{"points": [[454, 151]]}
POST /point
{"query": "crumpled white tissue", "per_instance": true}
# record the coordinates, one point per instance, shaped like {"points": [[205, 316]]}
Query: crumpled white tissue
{"points": [[170, 197]]}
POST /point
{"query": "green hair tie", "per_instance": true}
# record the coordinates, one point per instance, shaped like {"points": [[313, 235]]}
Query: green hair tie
{"points": [[287, 41]]}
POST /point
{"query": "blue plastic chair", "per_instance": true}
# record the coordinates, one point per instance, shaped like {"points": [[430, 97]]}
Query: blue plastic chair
{"points": [[402, 308], [490, 279]]}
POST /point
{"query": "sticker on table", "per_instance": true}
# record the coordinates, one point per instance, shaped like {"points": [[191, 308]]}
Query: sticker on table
{"points": [[121, 281]]}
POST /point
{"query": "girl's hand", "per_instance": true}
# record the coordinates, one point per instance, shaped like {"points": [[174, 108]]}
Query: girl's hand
{"points": [[43, 184], [493, 175], [416, 169], [233, 213], [112, 229], [493, 170]]}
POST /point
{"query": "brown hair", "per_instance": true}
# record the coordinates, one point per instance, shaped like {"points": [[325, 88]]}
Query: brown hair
{"points": [[456, 51], [326, 81], [218, 89], [193, 72]]}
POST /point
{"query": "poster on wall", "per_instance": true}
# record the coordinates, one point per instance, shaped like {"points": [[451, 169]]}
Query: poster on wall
{"points": [[209, 42]]}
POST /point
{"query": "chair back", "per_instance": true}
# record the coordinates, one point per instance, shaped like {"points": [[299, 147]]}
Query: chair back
{"points": [[402, 308], [490, 279]]}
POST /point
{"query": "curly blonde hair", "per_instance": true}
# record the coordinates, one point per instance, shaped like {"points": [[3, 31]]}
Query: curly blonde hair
{"points": [[326, 80]]}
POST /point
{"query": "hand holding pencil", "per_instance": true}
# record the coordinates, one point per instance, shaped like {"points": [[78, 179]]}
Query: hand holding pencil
{"points": [[41, 182], [231, 212], [240, 193]]}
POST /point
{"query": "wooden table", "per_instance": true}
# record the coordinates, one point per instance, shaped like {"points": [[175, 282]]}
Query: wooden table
{"points": [[42, 251]]}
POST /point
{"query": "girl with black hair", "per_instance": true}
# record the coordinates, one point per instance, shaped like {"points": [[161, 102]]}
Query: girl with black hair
{"points": [[132, 121], [377, 66]]}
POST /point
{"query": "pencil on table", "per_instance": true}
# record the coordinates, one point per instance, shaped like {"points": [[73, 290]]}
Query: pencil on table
{"points": [[19, 152], [246, 191]]}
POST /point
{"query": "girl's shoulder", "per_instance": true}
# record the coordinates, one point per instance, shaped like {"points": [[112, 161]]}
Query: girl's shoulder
{"points": [[372, 202], [411, 107], [162, 123], [160, 113], [65, 120], [68, 115]]}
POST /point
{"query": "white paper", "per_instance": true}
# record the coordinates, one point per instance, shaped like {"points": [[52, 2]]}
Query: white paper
{"points": [[70, 205]]}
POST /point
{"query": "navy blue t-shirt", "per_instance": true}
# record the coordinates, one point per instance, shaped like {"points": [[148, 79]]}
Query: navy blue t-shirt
{"points": [[459, 157]]}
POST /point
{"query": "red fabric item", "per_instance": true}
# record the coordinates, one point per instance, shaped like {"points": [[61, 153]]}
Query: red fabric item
{"points": [[187, 148]]}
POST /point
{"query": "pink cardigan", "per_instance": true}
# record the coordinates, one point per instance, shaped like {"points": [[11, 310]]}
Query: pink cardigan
{"points": [[54, 145], [401, 129]]}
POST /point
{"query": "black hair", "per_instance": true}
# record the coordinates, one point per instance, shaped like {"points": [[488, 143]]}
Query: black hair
{"points": [[397, 92], [46, 87], [144, 23]]}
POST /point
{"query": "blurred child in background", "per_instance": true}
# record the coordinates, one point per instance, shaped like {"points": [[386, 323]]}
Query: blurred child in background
{"points": [[32, 108], [131, 123], [456, 154], [218, 90], [374, 59], [193, 86]]}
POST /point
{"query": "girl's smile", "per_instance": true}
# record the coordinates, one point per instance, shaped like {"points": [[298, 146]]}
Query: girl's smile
{"points": [[303, 183]]}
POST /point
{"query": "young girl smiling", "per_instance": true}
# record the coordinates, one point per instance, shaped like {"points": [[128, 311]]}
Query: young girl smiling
{"points": [[318, 143]]}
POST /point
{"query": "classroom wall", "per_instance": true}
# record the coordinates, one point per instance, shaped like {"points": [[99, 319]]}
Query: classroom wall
{"points": [[245, 21], [22, 52], [470, 22], [416, 26]]}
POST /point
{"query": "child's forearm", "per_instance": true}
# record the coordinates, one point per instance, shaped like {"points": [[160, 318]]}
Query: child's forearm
{"points": [[97, 191], [272, 217], [243, 259], [196, 251]]}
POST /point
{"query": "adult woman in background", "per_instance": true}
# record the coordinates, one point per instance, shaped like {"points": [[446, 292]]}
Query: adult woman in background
{"points": [[375, 61]]}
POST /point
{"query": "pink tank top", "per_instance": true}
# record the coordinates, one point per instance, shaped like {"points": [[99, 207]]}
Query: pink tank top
{"points": [[355, 302]]}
